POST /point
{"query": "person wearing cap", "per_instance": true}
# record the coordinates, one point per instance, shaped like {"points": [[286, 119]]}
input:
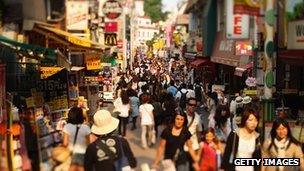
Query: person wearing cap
{"points": [[108, 152]]}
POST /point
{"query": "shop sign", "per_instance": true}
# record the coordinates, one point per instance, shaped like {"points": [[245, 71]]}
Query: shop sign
{"points": [[289, 91], [295, 35], [77, 15], [251, 92], [237, 24], [111, 27], [250, 7], [49, 71], [112, 9], [93, 80], [251, 82], [93, 62], [29, 102], [2, 92], [120, 44], [243, 48], [110, 39]]}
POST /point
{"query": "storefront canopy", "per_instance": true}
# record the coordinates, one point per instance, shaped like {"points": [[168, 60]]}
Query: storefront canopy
{"points": [[68, 38], [198, 62], [38, 51]]}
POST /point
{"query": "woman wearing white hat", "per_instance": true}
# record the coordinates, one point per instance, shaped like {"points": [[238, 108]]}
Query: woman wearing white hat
{"points": [[109, 152]]}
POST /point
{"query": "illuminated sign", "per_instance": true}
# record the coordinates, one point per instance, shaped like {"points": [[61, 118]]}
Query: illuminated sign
{"points": [[243, 48], [93, 62], [110, 39], [112, 9]]}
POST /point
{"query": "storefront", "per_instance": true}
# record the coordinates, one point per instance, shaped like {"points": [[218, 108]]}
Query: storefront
{"points": [[231, 70]]}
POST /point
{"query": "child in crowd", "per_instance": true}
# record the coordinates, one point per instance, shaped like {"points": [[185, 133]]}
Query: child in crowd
{"points": [[210, 151]]}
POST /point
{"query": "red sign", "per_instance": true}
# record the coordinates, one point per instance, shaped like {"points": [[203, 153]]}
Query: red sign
{"points": [[110, 27], [250, 7], [120, 44], [243, 48], [112, 9]]}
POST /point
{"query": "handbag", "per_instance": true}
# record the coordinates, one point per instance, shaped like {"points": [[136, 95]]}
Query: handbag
{"points": [[61, 153]]}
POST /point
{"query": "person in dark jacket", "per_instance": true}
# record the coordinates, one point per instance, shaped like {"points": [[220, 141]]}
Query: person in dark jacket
{"points": [[108, 152], [243, 143]]}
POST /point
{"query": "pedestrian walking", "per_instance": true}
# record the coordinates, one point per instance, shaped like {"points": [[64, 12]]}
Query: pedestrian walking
{"points": [[76, 137], [147, 121], [282, 144], [134, 107], [173, 139], [108, 152], [243, 143]]}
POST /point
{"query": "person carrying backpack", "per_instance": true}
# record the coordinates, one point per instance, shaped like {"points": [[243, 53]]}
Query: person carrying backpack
{"points": [[181, 96]]}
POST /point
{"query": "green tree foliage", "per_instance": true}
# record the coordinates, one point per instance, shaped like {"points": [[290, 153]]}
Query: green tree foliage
{"points": [[298, 12], [153, 8]]}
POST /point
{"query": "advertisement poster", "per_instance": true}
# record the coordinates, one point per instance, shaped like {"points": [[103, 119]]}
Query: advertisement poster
{"points": [[77, 14], [93, 62]]}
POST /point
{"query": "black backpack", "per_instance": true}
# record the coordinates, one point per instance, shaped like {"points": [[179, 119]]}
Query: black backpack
{"points": [[183, 100]]}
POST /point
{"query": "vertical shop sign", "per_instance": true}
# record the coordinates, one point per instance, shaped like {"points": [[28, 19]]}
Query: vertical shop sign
{"points": [[237, 24], [77, 15], [2, 93], [93, 62], [111, 27], [110, 39]]}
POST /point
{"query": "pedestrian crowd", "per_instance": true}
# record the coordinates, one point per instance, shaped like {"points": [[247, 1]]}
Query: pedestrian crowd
{"points": [[201, 129]]}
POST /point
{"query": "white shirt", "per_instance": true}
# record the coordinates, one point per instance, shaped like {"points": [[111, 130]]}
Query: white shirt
{"points": [[124, 110], [245, 150], [179, 94], [81, 142], [146, 114], [194, 129]]}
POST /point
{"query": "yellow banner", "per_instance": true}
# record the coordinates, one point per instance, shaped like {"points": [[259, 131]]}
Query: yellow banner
{"points": [[93, 62], [49, 71], [250, 92], [250, 3]]}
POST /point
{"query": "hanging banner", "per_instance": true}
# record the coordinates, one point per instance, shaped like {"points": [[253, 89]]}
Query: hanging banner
{"points": [[250, 7], [110, 39], [2, 92], [237, 25], [49, 71], [77, 14], [93, 62]]}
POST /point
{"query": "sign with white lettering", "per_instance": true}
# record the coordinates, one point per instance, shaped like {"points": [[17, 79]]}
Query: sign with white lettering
{"points": [[237, 24], [112, 9], [243, 48], [295, 35]]}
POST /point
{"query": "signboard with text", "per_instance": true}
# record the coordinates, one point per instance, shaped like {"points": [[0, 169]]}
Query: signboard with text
{"points": [[112, 9], [77, 13], [49, 71], [237, 24], [295, 35], [111, 27], [250, 7], [93, 62]]}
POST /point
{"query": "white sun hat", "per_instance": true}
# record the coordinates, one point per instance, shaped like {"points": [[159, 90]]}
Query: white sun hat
{"points": [[104, 123], [247, 99]]}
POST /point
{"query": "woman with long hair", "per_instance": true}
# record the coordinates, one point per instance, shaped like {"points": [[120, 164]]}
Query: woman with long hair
{"points": [[282, 144], [123, 115], [76, 137], [243, 143], [172, 142]]}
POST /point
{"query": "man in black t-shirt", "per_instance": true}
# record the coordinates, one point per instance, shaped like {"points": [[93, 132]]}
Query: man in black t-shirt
{"points": [[108, 152]]}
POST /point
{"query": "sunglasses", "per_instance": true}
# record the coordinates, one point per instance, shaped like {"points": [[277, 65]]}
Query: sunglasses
{"points": [[190, 104]]}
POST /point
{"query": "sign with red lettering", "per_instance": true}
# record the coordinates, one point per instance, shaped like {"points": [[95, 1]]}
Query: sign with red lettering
{"points": [[243, 48], [237, 24], [112, 9], [120, 44]]}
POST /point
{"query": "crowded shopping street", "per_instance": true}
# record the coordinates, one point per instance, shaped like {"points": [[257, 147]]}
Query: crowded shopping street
{"points": [[151, 85]]}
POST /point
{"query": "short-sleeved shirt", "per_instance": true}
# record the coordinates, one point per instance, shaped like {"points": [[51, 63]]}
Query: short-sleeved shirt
{"points": [[174, 142], [81, 142], [146, 114]]}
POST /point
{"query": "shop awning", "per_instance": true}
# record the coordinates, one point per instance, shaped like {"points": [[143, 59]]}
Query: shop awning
{"points": [[294, 57], [241, 69], [198, 62], [39, 52], [79, 41]]}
